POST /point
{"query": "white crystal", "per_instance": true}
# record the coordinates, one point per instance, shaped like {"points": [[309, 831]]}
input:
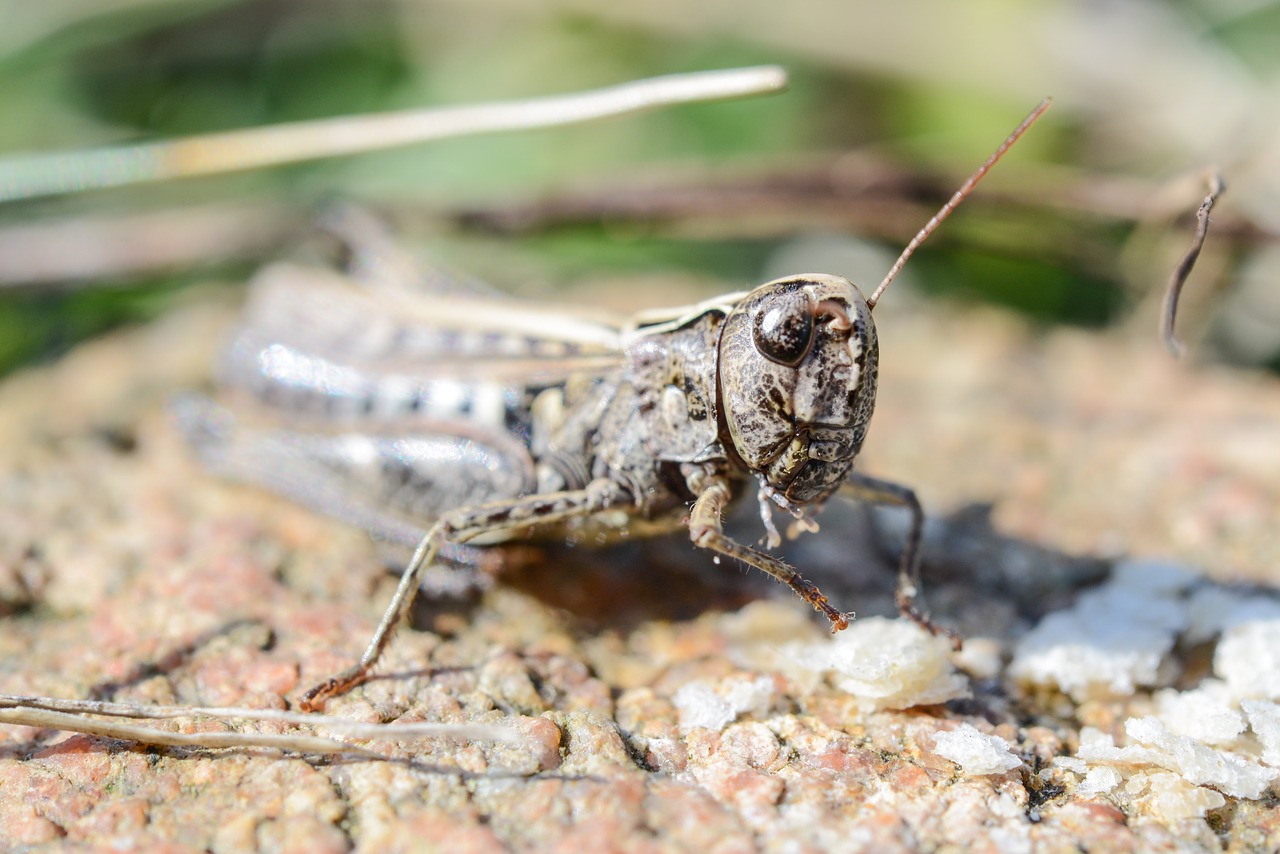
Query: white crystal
{"points": [[1264, 720], [1230, 773], [1098, 746], [1111, 641], [1099, 780], [1178, 799], [974, 751], [1248, 657], [1073, 764], [889, 664], [701, 705], [1205, 713]]}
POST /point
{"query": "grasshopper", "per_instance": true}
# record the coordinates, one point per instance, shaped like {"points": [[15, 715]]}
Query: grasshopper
{"points": [[455, 418]]}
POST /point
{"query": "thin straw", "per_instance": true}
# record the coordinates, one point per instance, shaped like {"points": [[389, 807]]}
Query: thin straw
{"points": [[35, 175]]}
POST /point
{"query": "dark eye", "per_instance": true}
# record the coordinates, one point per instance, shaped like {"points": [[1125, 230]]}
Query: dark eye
{"points": [[783, 330]]}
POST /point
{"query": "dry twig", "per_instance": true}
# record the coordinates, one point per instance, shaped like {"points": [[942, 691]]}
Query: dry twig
{"points": [[1180, 273], [74, 716]]}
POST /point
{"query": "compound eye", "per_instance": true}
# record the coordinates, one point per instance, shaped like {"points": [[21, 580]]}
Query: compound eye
{"points": [[783, 330]]}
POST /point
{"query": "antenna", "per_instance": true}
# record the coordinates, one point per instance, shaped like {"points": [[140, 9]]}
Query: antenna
{"points": [[956, 199]]}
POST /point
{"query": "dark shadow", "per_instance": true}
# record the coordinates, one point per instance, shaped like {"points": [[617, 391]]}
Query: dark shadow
{"points": [[662, 578], [967, 567], [964, 550]]}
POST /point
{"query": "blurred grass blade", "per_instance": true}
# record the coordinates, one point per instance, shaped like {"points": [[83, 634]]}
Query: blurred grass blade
{"points": [[31, 176]]}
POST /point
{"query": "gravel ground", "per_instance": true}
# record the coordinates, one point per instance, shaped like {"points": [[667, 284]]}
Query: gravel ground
{"points": [[127, 573]]}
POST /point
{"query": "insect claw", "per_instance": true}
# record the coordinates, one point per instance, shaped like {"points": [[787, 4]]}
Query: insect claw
{"points": [[316, 698], [838, 619], [907, 608]]}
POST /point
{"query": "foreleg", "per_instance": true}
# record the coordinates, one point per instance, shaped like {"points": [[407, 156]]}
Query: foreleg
{"points": [[461, 526], [706, 532]]}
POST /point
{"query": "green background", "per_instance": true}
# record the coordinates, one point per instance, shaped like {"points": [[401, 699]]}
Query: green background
{"points": [[890, 106]]}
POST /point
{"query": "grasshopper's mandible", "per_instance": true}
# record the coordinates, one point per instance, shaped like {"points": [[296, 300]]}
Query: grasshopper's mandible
{"points": [[460, 417]]}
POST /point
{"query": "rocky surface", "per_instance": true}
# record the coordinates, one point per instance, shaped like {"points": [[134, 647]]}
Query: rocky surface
{"points": [[666, 703]]}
